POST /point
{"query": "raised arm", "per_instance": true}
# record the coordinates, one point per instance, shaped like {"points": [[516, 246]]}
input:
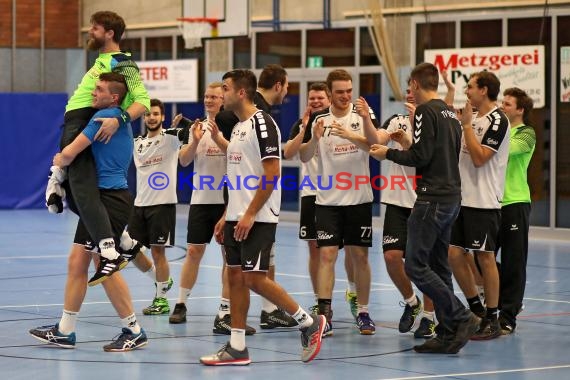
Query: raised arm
{"points": [[293, 145], [188, 151]]}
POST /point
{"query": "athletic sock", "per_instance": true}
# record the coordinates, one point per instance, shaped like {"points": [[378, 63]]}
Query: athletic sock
{"points": [[267, 305], [161, 289], [107, 247], [131, 323], [237, 339], [303, 318], [67, 322], [183, 294], [412, 301]]}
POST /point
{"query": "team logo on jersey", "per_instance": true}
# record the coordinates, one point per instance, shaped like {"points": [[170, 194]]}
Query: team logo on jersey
{"points": [[355, 126], [345, 149], [270, 149], [514, 227], [234, 157], [214, 151]]}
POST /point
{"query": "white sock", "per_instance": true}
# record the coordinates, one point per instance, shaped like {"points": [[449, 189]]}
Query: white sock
{"points": [[351, 287], [67, 322], [107, 247], [237, 339], [429, 315], [127, 242], [183, 294], [362, 309], [303, 318], [267, 305], [131, 323], [224, 308], [161, 289], [412, 301], [151, 273]]}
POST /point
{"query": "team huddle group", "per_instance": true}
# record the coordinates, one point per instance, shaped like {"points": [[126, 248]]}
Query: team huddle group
{"points": [[471, 198]]}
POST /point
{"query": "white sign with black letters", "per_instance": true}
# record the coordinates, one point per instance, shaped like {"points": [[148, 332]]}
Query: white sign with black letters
{"points": [[171, 81], [515, 66]]}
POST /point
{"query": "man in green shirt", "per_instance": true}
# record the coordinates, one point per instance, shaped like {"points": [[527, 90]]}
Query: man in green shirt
{"points": [[515, 208], [105, 33]]}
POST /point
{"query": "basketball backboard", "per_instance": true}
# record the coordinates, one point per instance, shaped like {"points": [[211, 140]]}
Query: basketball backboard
{"points": [[233, 15]]}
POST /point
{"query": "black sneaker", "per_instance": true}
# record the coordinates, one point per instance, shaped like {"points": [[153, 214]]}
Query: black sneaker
{"points": [[179, 314], [507, 328], [52, 335], [277, 318], [436, 345], [426, 329], [488, 329], [126, 341], [409, 316], [106, 268], [465, 331], [224, 326], [132, 253]]}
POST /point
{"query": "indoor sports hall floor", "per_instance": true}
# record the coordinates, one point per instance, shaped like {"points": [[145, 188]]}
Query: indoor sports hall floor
{"points": [[33, 249]]}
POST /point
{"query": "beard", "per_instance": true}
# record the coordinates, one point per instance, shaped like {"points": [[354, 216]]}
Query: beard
{"points": [[95, 44], [153, 129]]}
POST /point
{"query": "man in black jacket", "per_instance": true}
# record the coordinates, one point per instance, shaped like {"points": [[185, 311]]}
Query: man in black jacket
{"points": [[434, 152]]}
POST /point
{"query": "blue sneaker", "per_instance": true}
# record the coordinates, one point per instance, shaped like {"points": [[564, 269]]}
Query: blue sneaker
{"points": [[127, 341], [50, 334], [365, 324]]}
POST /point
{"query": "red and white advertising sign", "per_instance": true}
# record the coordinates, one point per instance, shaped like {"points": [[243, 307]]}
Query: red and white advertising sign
{"points": [[171, 81], [515, 66]]}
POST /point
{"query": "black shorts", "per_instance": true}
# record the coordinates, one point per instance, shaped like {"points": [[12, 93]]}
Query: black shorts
{"points": [[118, 204], [307, 229], [252, 254], [395, 232], [153, 225], [202, 219], [476, 229], [348, 225]]}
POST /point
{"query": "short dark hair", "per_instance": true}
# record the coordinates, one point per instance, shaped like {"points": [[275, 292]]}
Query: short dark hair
{"points": [[320, 86], [157, 103], [426, 75], [243, 79], [272, 74], [110, 21], [523, 101], [117, 84], [338, 74], [489, 80]]}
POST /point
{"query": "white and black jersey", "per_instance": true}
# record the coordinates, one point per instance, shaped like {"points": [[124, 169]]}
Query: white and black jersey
{"points": [[393, 193], [483, 187], [340, 161], [252, 141], [309, 169], [209, 170], [156, 160]]}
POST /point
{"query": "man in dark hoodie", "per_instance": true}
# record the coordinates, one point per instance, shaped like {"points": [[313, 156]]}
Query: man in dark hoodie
{"points": [[434, 152]]}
